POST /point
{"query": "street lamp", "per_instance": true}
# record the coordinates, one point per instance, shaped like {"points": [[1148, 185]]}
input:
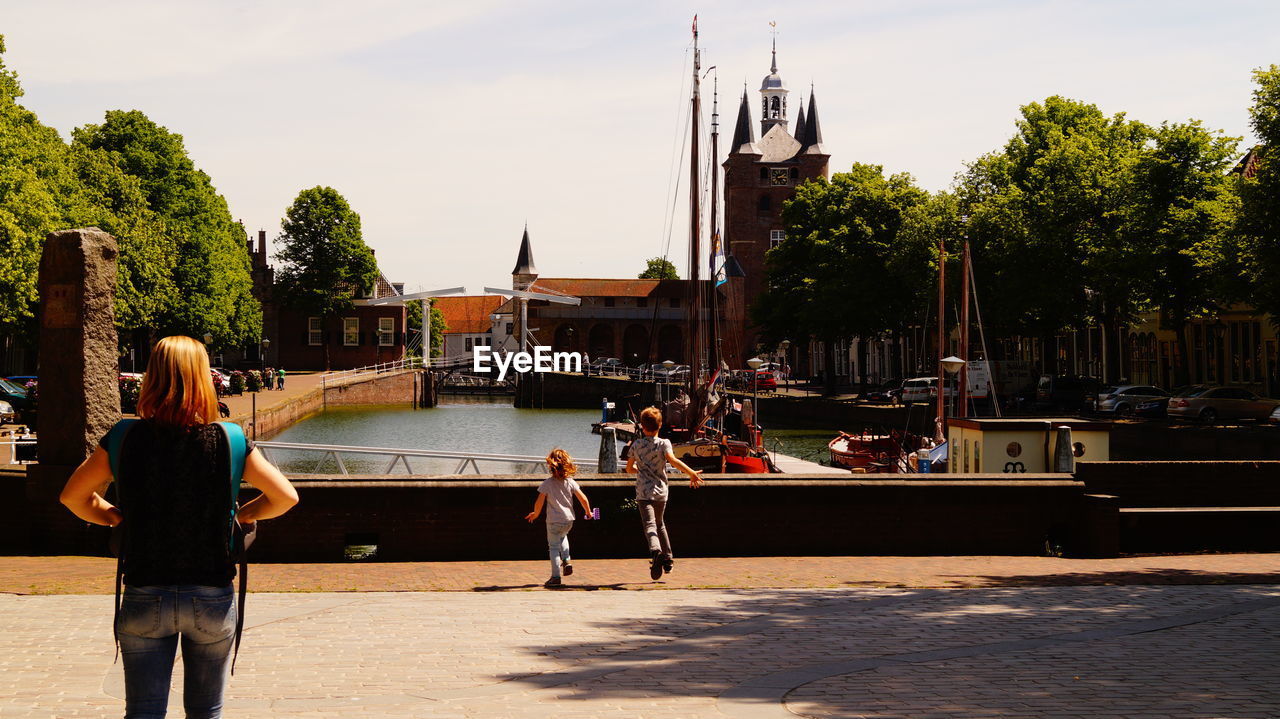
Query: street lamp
{"points": [[785, 345], [266, 343], [667, 365], [754, 363], [951, 365]]}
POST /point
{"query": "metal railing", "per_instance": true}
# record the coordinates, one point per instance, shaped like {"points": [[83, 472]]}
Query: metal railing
{"points": [[398, 457], [13, 445]]}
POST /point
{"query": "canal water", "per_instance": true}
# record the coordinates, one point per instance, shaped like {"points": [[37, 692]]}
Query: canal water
{"points": [[488, 425]]}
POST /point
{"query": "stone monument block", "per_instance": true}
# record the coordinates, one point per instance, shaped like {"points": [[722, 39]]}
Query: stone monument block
{"points": [[79, 389]]}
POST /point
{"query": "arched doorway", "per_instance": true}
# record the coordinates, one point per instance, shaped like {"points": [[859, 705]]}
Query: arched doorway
{"points": [[567, 339], [670, 344], [600, 342], [635, 346]]}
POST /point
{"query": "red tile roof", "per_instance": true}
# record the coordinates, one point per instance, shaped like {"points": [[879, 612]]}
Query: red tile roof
{"points": [[585, 287], [469, 313]]}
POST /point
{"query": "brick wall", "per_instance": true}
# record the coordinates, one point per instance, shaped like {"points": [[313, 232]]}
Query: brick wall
{"points": [[292, 351], [483, 519]]}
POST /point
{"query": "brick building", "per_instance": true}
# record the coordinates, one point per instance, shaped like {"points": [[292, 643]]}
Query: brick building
{"points": [[366, 335], [759, 175], [637, 321], [469, 320]]}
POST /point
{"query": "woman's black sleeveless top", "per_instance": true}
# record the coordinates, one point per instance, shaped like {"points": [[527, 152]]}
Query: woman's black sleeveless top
{"points": [[175, 493]]}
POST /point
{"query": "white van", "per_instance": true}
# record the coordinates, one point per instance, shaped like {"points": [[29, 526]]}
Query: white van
{"points": [[922, 389]]}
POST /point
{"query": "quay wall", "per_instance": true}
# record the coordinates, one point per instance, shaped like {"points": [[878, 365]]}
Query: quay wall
{"points": [[391, 388], [445, 518], [555, 390]]}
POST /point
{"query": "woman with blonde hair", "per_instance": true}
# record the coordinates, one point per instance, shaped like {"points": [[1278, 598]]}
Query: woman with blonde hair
{"points": [[173, 472]]}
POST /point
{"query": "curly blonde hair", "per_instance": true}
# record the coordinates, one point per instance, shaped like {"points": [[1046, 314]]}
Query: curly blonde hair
{"points": [[561, 464]]}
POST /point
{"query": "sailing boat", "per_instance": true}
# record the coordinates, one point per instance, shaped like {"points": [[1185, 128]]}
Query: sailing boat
{"points": [[696, 438]]}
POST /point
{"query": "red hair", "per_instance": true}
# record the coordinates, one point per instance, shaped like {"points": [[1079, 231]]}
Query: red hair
{"points": [[177, 388], [561, 464]]}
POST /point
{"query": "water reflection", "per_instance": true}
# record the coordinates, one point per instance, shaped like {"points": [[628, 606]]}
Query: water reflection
{"points": [[476, 424]]}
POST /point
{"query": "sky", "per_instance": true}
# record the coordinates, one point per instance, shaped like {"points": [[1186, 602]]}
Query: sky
{"points": [[449, 126]]}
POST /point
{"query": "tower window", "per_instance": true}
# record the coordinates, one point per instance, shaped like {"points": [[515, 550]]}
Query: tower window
{"points": [[764, 175], [795, 174], [765, 204], [776, 111], [776, 237]]}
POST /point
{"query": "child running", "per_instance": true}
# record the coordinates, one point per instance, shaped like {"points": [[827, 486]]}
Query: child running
{"points": [[648, 459], [557, 493]]}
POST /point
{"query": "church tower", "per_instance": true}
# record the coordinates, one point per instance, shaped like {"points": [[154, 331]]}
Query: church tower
{"points": [[773, 97], [759, 175], [523, 276]]}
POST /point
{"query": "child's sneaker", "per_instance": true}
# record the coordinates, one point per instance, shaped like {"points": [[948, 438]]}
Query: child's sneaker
{"points": [[667, 564], [553, 582], [655, 566], [566, 568]]}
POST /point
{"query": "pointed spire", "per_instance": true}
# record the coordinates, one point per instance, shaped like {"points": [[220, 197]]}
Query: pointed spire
{"points": [[811, 144], [524, 261], [744, 141], [774, 66], [800, 123]]}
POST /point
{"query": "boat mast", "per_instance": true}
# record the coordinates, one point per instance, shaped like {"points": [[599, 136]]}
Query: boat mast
{"points": [[695, 226], [942, 340], [962, 389], [717, 247]]}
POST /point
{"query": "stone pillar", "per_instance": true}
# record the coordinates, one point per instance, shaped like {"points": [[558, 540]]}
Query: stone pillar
{"points": [[1064, 459], [608, 457], [79, 390]]}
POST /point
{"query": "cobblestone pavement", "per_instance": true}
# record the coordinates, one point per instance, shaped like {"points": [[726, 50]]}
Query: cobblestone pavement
{"points": [[94, 575], [1074, 651]]}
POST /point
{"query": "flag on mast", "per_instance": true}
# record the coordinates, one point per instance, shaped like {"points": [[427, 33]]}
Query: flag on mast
{"points": [[718, 260]]}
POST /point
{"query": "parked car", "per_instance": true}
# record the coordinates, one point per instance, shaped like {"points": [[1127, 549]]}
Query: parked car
{"points": [[1065, 393], [8, 414], [1275, 416], [15, 396], [1209, 404], [923, 389], [606, 366], [765, 381], [1152, 408], [886, 393], [22, 379], [1124, 399]]}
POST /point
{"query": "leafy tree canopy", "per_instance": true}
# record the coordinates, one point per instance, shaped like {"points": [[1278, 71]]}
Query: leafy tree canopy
{"points": [[326, 262], [1260, 195], [1046, 217], [848, 227], [659, 268], [212, 285]]}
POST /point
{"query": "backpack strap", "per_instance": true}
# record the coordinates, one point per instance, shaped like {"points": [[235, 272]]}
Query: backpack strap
{"points": [[115, 445], [237, 444]]}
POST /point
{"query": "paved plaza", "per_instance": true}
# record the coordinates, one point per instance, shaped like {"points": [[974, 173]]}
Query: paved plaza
{"points": [[1167, 641]]}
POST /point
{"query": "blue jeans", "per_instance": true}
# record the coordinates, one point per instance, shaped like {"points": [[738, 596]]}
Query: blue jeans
{"points": [[558, 544], [151, 621]]}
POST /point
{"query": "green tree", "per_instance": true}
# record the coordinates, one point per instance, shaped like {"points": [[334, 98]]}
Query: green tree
{"points": [[659, 268], [34, 183], [1182, 209], [1260, 196], [848, 227], [211, 271], [1047, 217], [326, 262]]}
